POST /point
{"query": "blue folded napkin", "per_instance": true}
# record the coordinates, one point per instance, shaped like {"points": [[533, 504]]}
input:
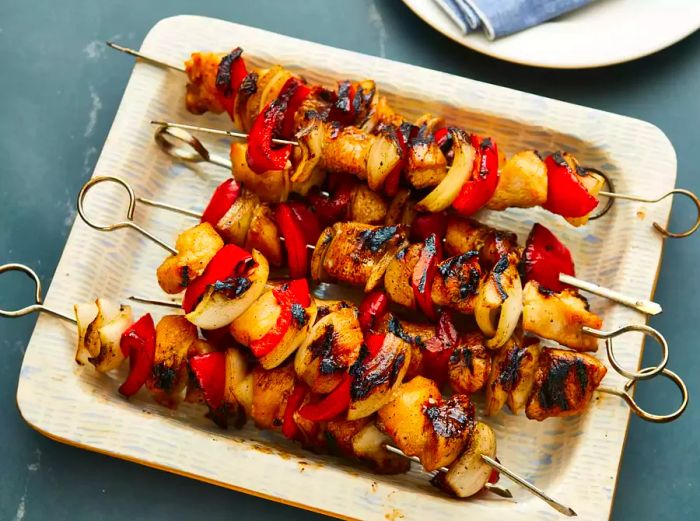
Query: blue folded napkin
{"points": [[501, 17]]}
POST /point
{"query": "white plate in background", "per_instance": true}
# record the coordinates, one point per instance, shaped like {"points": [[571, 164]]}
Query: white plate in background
{"points": [[605, 32]]}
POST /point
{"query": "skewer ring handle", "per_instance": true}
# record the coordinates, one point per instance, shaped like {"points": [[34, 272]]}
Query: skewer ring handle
{"points": [[645, 373], [180, 144], [129, 222], [645, 415], [694, 198], [611, 188], [38, 299]]}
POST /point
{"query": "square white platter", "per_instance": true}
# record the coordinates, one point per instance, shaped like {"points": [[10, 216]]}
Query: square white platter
{"points": [[575, 459]]}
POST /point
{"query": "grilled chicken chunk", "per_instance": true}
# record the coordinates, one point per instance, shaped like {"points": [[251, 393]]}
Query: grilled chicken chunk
{"points": [[426, 164], [422, 424], [366, 206], [469, 366], [201, 70], [261, 318], [270, 390], [346, 150], [512, 375], [522, 182], [196, 246], [456, 282], [463, 235], [356, 254], [377, 376], [330, 348], [174, 337], [559, 317], [564, 384]]}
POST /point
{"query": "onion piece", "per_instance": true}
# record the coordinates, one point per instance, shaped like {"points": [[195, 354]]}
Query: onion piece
{"points": [[217, 310], [459, 173], [469, 474], [383, 156], [499, 326], [111, 356], [85, 314], [311, 140]]}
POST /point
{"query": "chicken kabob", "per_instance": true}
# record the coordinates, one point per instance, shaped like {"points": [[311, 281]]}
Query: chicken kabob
{"points": [[234, 383], [225, 282], [356, 131], [244, 219]]}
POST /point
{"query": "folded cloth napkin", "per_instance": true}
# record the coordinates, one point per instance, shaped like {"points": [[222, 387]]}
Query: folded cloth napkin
{"points": [[501, 17]]}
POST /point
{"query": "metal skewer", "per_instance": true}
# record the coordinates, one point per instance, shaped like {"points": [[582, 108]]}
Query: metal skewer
{"points": [[611, 195], [144, 57]]}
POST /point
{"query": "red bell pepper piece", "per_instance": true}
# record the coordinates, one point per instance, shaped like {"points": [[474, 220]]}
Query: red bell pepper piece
{"points": [[372, 309], [294, 92], [138, 343], [374, 343], [439, 349], [478, 190], [332, 209], [210, 372], [294, 241], [229, 76], [224, 196], [293, 292], [566, 195], [343, 110], [229, 261], [545, 258], [425, 224], [260, 154], [330, 406], [289, 426], [424, 273], [307, 220]]}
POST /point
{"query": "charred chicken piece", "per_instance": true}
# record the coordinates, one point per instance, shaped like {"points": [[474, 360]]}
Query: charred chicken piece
{"points": [[512, 375], [522, 182], [270, 390], [564, 384], [422, 424], [456, 283], [174, 337], [196, 246], [201, 96], [356, 254], [469, 366], [559, 317], [376, 376]]}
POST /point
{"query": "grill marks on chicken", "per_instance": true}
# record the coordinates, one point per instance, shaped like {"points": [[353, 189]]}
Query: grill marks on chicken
{"points": [[564, 384]]}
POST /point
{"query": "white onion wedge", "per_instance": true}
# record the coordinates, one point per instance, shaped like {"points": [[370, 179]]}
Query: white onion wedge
{"points": [[381, 160], [218, 310], [310, 140], [469, 474], [497, 315], [85, 314], [110, 355], [459, 173]]}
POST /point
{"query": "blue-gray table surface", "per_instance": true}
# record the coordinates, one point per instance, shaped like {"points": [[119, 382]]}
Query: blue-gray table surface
{"points": [[59, 91]]}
